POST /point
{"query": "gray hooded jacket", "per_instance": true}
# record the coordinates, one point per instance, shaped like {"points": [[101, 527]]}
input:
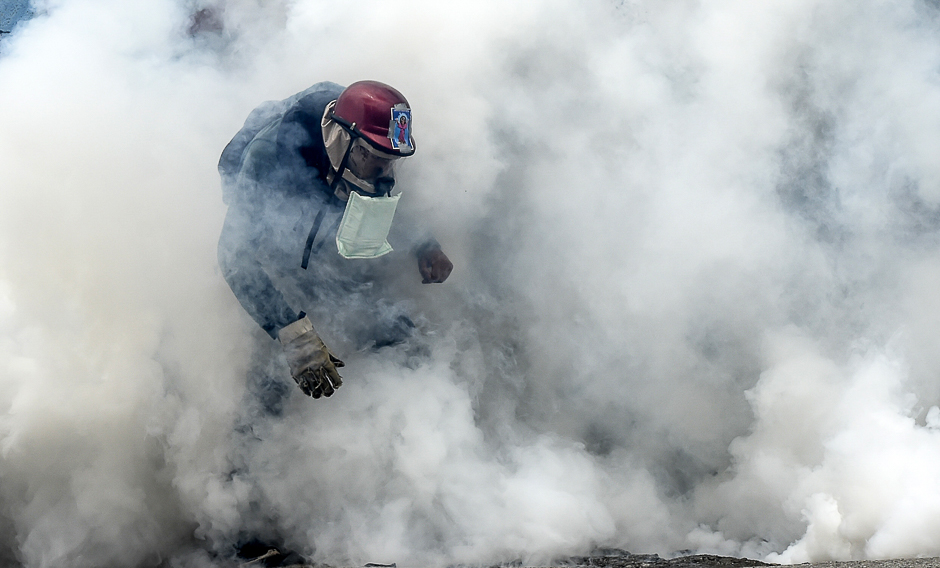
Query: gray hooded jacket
{"points": [[282, 212]]}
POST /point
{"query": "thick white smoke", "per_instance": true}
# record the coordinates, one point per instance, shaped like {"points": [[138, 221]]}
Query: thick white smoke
{"points": [[694, 304]]}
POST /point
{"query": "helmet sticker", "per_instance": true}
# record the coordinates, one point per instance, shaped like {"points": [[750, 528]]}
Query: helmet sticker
{"points": [[399, 130]]}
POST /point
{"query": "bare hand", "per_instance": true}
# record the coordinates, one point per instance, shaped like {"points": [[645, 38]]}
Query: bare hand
{"points": [[434, 266]]}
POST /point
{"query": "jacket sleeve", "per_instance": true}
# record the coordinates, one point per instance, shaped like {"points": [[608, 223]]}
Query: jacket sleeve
{"points": [[238, 249], [270, 169], [242, 242]]}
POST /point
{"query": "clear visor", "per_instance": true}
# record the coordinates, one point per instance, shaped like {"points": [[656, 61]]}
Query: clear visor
{"points": [[366, 166], [370, 164]]}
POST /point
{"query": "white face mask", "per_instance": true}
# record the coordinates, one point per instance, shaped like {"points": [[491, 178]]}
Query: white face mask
{"points": [[363, 231]]}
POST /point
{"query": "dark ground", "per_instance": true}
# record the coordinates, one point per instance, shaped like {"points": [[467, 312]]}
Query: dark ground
{"points": [[623, 559]]}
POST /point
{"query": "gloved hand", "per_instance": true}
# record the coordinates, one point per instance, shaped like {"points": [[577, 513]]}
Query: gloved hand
{"points": [[311, 363], [434, 266]]}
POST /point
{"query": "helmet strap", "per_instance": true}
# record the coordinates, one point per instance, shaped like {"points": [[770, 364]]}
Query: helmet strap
{"points": [[340, 179], [338, 174]]}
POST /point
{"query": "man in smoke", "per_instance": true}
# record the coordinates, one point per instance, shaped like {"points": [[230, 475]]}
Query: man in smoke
{"points": [[309, 184]]}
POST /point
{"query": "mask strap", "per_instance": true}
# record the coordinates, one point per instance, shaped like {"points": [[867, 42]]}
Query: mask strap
{"points": [[337, 179], [311, 237]]}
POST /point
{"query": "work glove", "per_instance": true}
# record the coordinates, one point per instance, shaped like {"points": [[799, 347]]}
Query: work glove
{"points": [[434, 266], [311, 363]]}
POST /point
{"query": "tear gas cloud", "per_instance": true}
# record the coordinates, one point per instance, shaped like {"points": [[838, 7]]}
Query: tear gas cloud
{"points": [[694, 305]]}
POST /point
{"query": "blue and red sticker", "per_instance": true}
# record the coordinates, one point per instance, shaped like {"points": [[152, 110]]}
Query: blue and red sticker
{"points": [[399, 130]]}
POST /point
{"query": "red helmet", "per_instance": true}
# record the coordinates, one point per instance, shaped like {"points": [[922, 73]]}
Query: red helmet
{"points": [[379, 114]]}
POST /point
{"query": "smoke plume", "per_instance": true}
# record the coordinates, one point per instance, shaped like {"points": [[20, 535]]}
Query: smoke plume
{"points": [[694, 304]]}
